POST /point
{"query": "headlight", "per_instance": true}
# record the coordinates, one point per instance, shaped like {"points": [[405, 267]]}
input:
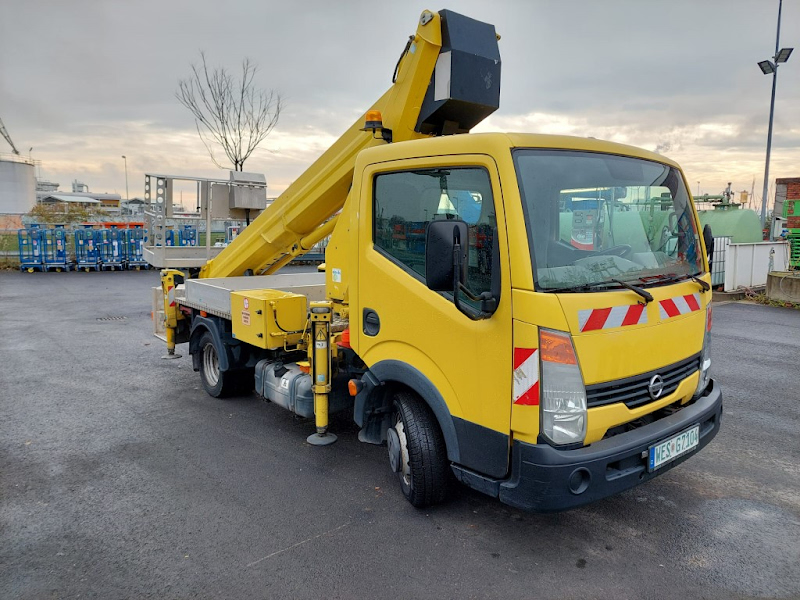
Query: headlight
{"points": [[563, 393], [705, 356]]}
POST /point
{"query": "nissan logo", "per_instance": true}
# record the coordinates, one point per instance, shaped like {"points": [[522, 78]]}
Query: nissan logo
{"points": [[656, 387]]}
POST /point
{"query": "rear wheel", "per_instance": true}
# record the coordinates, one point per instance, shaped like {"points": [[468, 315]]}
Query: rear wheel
{"points": [[417, 451], [216, 382]]}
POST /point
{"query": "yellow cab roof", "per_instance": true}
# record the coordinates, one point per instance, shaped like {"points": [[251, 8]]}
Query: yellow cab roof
{"points": [[496, 143]]}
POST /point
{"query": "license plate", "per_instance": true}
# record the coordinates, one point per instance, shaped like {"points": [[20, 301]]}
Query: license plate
{"points": [[668, 450]]}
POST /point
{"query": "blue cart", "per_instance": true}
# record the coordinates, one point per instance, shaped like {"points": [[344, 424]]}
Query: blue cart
{"points": [[185, 236], [54, 243], [113, 250], [31, 255], [188, 236], [134, 242], [87, 250]]}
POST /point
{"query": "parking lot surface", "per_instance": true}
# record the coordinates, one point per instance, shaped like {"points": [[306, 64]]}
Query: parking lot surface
{"points": [[121, 478]]}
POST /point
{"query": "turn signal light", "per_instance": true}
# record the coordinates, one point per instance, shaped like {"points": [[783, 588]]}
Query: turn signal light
{"points": [[556, 348], [354, 386]]}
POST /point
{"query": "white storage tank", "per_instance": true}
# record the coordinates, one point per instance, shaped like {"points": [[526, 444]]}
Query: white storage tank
{"points": [[17, 185]]}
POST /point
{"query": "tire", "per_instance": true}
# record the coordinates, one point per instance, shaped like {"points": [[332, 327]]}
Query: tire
{"points": [[219, 383], [417, 451]]}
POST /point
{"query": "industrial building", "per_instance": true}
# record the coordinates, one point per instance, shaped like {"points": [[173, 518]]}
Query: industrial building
{"points": [[17, 184]]}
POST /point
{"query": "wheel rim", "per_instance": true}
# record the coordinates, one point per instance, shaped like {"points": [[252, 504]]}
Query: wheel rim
{"points": [[210, 364], [404, 467]]}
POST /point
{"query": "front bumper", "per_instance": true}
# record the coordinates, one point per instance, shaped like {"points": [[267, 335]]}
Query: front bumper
{"points": [[546, 479]]}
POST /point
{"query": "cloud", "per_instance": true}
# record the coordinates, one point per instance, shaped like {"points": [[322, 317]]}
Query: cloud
{"points": [[663, 147], [712, 152], [86, 81]]}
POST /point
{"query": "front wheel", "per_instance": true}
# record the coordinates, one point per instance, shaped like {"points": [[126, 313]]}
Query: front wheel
{"points": [[216, 382], [417, 451]]}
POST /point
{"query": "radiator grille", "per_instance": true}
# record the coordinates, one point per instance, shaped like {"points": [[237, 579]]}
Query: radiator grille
{"points": [[633, 391]]}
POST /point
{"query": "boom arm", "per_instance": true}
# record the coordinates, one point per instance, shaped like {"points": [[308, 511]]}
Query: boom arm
{"points": [[304, 213]]}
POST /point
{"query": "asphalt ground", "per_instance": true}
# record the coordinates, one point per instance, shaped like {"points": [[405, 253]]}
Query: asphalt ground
{"points": [[121, 478]]}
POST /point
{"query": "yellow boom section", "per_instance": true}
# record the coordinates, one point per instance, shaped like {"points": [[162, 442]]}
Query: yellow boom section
{"points": [[297, 218]]}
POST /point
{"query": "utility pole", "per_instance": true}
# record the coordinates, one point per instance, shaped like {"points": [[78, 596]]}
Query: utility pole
{"points": [[771, 68], [127, 195]]}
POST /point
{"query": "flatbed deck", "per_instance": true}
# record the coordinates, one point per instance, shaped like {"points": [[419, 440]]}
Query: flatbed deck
{"points": [[213, 295]]}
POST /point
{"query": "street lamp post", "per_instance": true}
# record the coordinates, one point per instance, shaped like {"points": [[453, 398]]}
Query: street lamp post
{"points": [[769, 67], [127, 194]]}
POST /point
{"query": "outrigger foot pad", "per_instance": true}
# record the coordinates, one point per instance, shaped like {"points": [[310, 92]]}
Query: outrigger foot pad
{"points": [[171, 356], [321, 439]]}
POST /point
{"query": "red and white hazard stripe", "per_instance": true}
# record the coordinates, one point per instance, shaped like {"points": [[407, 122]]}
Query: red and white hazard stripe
{"points": [[526, 376], [674, 307], [609, 318], [171, 295]]}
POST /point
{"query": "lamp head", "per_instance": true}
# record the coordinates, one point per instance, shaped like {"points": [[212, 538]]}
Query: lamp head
{"points": [[783, 55], [766, 67]]}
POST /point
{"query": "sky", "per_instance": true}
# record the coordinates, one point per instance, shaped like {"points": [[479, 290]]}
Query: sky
{"points": [[84, 82]]}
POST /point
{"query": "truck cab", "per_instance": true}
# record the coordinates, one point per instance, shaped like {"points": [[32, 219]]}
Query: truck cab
{"points": [[565, 357]]}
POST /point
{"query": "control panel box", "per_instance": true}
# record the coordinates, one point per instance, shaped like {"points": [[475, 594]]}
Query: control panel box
{"points": [[269, 319]]}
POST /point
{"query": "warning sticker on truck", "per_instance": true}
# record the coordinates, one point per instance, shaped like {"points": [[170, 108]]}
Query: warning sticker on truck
{"points": [[245, 317]]}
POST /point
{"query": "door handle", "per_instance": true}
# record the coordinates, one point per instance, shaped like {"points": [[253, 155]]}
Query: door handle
{"points": [[371, 322]]}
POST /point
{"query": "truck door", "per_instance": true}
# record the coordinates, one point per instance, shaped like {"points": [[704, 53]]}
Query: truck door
{"points": [[397, 318]]}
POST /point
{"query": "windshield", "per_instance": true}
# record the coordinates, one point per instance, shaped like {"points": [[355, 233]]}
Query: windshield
{"points": [[593, 218]]}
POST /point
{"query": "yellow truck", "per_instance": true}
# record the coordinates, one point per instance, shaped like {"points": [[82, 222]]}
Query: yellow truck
{"points": [[527, 314]]}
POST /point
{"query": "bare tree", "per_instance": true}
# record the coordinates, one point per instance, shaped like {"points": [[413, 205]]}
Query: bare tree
{"points": [[233, 112]]}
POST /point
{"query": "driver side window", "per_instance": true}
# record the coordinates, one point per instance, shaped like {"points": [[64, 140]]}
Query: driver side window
{"points": [[404, 202]]}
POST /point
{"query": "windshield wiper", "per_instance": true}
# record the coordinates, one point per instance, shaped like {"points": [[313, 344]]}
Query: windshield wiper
{"points": [[599, 285], [703, 284], [648, 297], [580, 287], [673, 277]]}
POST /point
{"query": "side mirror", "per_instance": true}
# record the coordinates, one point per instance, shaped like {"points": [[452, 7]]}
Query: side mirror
{"points": [[441, 238], [446, 245], [708, 240]]}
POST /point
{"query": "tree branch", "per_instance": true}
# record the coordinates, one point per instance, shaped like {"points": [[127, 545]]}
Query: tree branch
{"points": [[234, 113]]}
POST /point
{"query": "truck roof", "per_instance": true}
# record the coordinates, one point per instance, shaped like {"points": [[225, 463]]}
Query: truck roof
{"points": [[495, 143]]}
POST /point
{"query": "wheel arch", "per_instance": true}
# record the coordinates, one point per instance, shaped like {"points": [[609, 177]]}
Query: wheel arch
{"points": [[375, 397], [200, 325]]}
